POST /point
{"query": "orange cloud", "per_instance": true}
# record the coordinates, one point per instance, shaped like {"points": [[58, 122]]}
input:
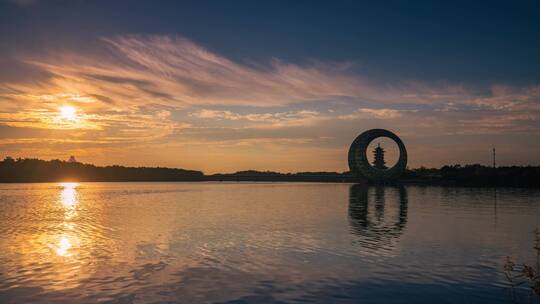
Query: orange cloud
{"points": [[144, 92]]}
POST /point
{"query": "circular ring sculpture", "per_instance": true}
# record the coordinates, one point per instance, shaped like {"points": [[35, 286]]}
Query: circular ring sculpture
{"points": [[358, 161]]}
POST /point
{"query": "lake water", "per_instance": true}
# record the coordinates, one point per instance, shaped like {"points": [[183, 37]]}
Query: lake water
{"points": [[261, 242]]}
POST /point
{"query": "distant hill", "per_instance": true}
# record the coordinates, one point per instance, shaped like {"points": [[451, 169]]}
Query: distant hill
{"points": [[36, 170], [269, 176], [455, 175]]}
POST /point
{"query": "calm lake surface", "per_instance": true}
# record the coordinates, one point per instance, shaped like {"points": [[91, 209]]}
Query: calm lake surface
{"points": [[260, 242]]}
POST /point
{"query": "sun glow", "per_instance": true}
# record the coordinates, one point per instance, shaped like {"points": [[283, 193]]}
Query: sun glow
{"points": [[69, 113]]}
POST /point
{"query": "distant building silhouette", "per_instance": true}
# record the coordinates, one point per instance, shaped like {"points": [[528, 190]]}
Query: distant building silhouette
{"points": [[376, 171], [379, 161], [72, 159]]}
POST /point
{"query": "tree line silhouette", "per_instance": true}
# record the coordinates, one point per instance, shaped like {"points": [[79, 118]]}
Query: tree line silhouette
{"points": [[36, 170], [478, 175]]}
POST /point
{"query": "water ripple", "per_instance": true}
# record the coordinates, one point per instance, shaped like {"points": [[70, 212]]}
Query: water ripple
{"points": [[253, 243]]}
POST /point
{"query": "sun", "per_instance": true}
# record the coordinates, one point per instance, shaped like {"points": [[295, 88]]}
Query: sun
{"points": [[69, 113]]}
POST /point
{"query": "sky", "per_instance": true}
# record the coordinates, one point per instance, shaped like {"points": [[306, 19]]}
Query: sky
{"points": [[223, 86]]}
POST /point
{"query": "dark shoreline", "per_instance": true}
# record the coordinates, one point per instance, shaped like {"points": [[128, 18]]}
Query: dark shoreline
{"points": [[41, 171]]}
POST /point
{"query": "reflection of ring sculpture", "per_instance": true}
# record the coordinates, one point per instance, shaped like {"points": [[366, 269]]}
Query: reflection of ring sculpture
{"points": [[358, 161], [377, 227]]}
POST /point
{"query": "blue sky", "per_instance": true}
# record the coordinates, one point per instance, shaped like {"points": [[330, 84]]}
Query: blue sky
{"points": [[281, 85]]}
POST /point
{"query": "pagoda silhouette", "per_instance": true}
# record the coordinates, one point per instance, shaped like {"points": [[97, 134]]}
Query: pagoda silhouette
{"points": [[379, 162]]}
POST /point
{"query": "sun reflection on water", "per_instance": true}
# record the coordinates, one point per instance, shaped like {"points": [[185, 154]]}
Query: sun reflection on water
{"points": [[69, 201], [63, 246], [68, 196]]}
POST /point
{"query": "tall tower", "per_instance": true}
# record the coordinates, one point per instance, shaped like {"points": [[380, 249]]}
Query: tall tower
{"points": [[378, 154]]}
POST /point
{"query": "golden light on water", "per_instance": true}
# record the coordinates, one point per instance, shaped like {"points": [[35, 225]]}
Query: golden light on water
{"points": [[64, 244], [68, 196], [69, 201]]}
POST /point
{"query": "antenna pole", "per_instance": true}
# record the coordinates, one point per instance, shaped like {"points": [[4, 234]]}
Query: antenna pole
{"points": [[494, 163]]}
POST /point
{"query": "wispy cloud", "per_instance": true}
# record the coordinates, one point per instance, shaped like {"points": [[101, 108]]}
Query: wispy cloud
{"points": [[278, 119], [174, 71], [139, 90], [375, 113]]}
